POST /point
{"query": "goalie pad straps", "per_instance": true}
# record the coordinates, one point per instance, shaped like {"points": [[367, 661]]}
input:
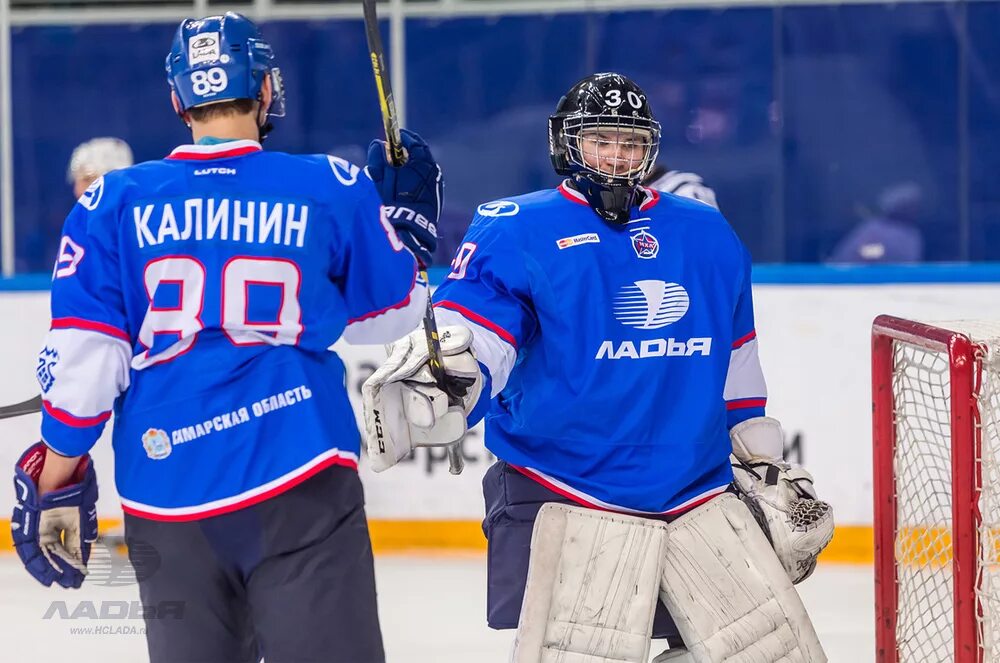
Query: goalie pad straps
{"points": [[591, 589], [729, 596]]}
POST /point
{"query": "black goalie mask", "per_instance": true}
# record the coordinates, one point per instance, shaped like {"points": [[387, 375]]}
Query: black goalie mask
{"points": [[604, 137]]}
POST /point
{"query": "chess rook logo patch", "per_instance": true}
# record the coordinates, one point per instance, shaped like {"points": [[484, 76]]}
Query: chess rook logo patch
{"points": [[47, 360]]}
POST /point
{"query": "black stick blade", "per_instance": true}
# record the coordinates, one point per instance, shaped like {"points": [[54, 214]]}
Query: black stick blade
{"points": [[30, 406]]}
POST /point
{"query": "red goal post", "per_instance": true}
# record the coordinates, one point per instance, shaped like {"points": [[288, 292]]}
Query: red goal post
{"points": [[935, 408]]}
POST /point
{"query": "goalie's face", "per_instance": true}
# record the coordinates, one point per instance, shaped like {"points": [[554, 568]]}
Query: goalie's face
{"points": [[619, 152]]}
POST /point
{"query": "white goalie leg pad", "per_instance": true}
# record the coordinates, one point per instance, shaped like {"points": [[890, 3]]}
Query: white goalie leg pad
{"points": [[729, 595], [592, 587], [674, 656]]}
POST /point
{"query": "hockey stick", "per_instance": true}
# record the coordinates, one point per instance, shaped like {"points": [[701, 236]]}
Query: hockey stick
{"points": [[30, 406], [455, 388]]}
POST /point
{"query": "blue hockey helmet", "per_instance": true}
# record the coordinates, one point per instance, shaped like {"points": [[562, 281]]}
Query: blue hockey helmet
{"points": [[222, 58]]}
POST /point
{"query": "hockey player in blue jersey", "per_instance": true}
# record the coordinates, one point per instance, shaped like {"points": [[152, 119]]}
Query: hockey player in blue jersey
{"points": [[195, 298], [609, 332]]}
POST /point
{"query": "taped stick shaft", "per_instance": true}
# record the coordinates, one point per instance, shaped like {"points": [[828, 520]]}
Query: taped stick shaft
{"points": [[387, 103], [397, 157]]}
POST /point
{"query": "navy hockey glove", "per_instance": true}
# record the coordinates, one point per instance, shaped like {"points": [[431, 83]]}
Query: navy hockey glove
{"points": [[53, 533], [412, 193]]}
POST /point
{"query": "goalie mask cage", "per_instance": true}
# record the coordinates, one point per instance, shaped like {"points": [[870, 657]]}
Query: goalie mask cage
{"points": [[936, 403]]}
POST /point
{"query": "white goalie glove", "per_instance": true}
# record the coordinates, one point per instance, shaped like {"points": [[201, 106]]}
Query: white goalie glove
{"points": [[403, 406], [781, 496]]}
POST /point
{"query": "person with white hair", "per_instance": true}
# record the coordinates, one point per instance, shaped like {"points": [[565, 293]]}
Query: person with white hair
{"points": [[94, 158]]}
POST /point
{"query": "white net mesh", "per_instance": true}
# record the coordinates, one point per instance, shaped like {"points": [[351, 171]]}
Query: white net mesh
{"points": [[925, 630], [922, 462], [989, 504]]}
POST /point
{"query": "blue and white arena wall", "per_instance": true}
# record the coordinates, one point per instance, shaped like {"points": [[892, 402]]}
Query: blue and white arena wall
{"points": [[804, 116], [814, 328]]}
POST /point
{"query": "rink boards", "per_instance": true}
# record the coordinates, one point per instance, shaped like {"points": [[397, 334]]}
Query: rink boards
{"points": [[814, 347]]}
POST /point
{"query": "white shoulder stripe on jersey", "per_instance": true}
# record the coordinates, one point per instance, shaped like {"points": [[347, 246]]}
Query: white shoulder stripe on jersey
{"points": [[82, 372], [391, 323], [745, 378], [495, 353]]}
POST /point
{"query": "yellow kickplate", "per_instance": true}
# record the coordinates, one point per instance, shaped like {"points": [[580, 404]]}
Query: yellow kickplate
{"points": [[852, 544]]}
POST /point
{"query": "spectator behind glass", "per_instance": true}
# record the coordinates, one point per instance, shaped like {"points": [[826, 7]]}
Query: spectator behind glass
{"points": [[892, 235], [93, 159], [38, 241]]}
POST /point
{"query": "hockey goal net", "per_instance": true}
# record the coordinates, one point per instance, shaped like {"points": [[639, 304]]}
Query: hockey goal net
{"points": [[936, 415]]}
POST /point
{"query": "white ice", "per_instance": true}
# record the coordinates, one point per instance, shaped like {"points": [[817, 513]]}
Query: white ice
{"points": [[432, 611]]}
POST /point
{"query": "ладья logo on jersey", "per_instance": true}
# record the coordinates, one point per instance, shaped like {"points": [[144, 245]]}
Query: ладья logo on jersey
{"points": [[651, 304]]}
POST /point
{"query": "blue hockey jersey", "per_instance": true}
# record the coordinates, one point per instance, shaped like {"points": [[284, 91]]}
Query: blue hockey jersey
{"points": [[618, 358], [196, 297]]}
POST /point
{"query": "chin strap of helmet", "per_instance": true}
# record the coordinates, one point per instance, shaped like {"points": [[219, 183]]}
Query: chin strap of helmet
{"points": [[611, 202]]}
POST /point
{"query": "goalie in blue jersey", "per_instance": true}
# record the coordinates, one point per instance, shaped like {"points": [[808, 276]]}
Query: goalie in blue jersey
{"points": [[608, 332], [195, 298]]}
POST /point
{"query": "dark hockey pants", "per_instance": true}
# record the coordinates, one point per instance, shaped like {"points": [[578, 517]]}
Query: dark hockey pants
{"points": [[290, 579], [512, 503]]}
